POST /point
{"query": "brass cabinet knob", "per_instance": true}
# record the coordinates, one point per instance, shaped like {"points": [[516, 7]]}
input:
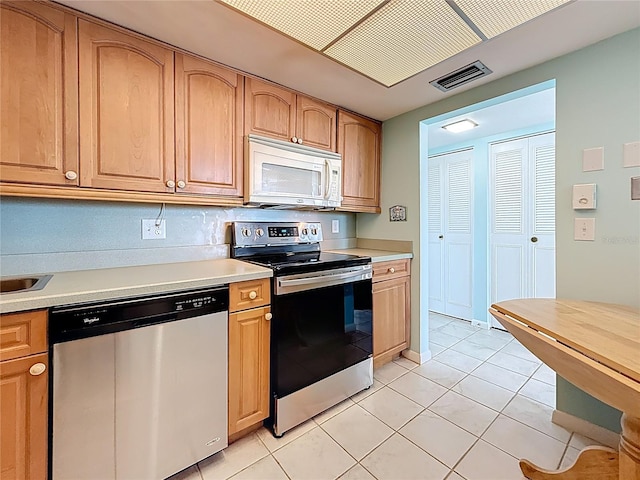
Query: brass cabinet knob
{"points": [[268, 316], [70, 175], [181, 184], [534, 239], [171, 183], [37, 369], [392, 270], [253, 294]]}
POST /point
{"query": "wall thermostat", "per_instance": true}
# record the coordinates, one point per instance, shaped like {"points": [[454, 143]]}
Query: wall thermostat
{"points": [[584, 196]]}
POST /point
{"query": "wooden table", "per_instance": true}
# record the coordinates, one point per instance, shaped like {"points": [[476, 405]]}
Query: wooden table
{"points": [[595, 346]]}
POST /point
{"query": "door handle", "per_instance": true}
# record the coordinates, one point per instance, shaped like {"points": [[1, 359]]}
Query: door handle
{"points": [[534, 239]]}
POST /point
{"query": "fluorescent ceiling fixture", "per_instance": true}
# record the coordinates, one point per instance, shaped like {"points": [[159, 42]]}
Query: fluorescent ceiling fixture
{"points": [[402, 39], [461, 126], [497, 16], [315, 23], [391, 40]]}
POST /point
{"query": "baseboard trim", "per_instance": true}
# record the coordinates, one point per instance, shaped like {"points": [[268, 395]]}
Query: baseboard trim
{"points": [[480, 323], [585, 428], [416, 357]]}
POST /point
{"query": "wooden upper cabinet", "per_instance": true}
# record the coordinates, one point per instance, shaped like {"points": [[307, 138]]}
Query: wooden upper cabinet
{"points": [[126, 111], [316, 123], [209, 113], [38, 94], [359, 144], [269, 110]]}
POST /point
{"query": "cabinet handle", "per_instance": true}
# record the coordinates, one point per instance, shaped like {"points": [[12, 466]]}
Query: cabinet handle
{"points": [[392, 270], [70, 175], [300, 141], [534, 239], [37, 369], [171, 183], [253, 294], [440, 237], [181, 184], [294, 139], [268, 316]]}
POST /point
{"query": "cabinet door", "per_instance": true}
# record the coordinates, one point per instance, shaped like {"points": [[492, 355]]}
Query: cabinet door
{"points": [[23, 409], [269, 110], [249, 333], [126, 111], [38, 94], [209, 109], [316, 123], [390, 316], [359, 144]]}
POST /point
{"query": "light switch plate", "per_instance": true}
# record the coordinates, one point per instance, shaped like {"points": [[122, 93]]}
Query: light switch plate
{"points": [[584, 229], [635, 188], [593, 159], [584, 196], [335, 226], [631, 154]]}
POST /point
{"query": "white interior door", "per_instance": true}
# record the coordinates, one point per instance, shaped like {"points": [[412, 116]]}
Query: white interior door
{"points": [[436, 236], [522, 235], [451, 234]]}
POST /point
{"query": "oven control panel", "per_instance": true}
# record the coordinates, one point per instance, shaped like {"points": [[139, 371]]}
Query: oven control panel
{"points": [[275, 233]]}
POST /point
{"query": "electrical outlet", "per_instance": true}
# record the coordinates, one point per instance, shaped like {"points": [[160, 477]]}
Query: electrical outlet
{"points": [[585, 229], [151, 231], [335, 226]]}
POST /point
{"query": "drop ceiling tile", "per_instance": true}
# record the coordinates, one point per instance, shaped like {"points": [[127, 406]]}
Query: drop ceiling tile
{"points": [[403, 38], [315, 23], [498, 16]]}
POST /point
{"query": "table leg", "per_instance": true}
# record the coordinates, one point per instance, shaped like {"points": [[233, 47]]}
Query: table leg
{"points": [[630, 448], [593, 463]]}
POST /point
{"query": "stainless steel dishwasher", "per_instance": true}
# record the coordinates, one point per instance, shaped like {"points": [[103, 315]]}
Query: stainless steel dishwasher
{"points": [[139, 385]]}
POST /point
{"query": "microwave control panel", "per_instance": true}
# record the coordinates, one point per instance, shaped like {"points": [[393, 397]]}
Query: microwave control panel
{"points": [[277, 233]]}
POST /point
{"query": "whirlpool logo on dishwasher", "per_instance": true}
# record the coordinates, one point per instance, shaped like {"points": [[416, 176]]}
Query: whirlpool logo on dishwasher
{"points": [[90, 320]]}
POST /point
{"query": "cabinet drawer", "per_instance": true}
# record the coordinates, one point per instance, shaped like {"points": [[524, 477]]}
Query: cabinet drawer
{"points": [[250, 294], [23, 334], [391, 269]]}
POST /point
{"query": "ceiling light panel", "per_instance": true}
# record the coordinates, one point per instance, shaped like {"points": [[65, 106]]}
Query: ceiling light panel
{"points": [[498, 16], [403, 38], [315, 23]]}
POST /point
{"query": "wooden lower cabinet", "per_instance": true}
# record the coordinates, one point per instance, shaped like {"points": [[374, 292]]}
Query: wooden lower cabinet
{"points": [[391, 311], [249, 337], [23, 410]]}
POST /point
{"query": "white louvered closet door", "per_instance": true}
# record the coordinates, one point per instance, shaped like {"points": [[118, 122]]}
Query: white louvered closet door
{"points": [[451, 234], [522, 235]]}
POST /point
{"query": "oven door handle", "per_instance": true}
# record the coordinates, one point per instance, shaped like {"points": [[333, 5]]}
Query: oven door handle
{"points": [[317, 281]]}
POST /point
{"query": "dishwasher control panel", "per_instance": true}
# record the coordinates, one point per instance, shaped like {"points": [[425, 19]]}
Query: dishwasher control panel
{"points": [[86, 320]]}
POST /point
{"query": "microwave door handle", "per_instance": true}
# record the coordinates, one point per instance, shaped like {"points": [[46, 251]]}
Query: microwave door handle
{"points": [[327, 168]]}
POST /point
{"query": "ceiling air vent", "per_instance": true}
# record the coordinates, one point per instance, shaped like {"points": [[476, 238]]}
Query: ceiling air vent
{"points": [[461, 76]]}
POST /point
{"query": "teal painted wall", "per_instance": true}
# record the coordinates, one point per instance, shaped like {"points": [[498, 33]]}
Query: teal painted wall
{"points": [[597, 104]]}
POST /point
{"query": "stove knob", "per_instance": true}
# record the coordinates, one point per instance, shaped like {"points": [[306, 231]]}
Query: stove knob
{"points": [[246, 232], [305, 231], [259, 232]]}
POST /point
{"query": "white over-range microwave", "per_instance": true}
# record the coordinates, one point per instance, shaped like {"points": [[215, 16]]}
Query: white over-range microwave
{"points": [[286, 174]]}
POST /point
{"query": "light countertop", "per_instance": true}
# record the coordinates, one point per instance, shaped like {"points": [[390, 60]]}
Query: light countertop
{"points": [[376, 255], [67, 288]]}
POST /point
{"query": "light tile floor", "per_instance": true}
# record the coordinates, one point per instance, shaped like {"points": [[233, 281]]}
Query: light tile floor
{"points": [[470, 413]]}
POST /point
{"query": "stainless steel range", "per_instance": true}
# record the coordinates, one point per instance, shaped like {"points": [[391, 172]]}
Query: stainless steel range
{"points": [[321, 335]]}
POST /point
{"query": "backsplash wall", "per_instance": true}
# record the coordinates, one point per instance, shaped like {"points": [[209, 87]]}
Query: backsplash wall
{"points": [[42, 236]]}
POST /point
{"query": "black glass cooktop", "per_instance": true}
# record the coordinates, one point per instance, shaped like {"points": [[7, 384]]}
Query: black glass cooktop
{"points": [[283, 263]]}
